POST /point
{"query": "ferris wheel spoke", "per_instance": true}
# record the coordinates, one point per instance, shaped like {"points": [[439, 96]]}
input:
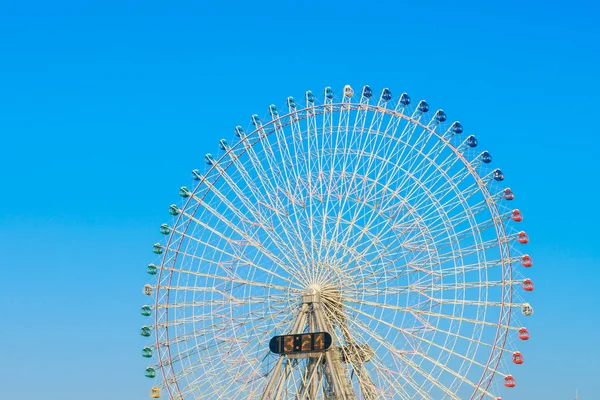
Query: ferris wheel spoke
{"points": [[285, 243], [473, 249], [252, 241], [394, 381], [311, 148], [452, 202], [416, 152], [228, 300], [324, 184], [429, 161], [434, 158], [228, 278], [389, 151], [431, 156], [463, 215], [233, 256], [441, 233], [433, 361], [429, 286], [413, 266], [398, 356], [450, 184], [375, 122], [401, 250], [269, 231], [226, 318], [432, 210], [350, 141], [212, 342], [475, 386], [360, 236], [296, 228], [252, 190], [261, 173], [474, 303], [244, 374], [296, 233], [417, 312]]}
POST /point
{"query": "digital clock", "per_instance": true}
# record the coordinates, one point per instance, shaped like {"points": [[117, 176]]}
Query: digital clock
{"points": [[300, 343]]}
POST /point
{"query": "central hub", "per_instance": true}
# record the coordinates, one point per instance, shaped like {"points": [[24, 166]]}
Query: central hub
{"points": [[312, 295]]}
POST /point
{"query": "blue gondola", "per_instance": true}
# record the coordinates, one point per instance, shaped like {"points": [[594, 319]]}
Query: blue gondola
{"points": [[223, 144], [329, 92], [471, 141], [273, 111], [486, 158], [310, 97], [239, 131], [404, 99], [498, 175], [291, 102], [386, 95], [440, 116], [208, 158], [423, 106], [457, 127], [255, 120], [367, 92]]}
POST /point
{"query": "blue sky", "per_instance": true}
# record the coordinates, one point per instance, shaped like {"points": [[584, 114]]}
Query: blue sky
{"points": [[105, 109]]}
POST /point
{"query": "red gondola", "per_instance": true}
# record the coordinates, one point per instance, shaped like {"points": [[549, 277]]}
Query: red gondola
{"points": [[522, 238], [523, 334], [517, 358], [528, 285], [516, 216], [509, 381], [526, 261]]}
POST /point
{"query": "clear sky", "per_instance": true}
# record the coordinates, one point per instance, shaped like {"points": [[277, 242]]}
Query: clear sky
{"points": [[105, 109]]}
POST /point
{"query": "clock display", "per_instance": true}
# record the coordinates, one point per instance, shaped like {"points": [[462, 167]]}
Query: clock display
{"points": [[300, 343]]}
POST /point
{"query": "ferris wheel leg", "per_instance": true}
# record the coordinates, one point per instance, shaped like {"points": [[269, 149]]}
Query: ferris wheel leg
{"points": [[276, 380], [334, 370]]}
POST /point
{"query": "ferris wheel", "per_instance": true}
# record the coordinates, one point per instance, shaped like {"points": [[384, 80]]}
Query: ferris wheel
{"points": [[353, 246]]}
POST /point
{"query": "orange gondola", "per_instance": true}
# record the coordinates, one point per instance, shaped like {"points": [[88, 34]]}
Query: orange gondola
{"points": [[523, 334], [517, 358], [528, 285], [522, 238], [526, 261], [516, 216]]}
